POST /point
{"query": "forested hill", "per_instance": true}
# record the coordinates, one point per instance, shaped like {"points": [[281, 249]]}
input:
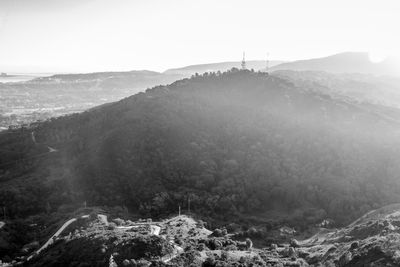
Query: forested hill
{"points": [[221, 66], [235, 144]]}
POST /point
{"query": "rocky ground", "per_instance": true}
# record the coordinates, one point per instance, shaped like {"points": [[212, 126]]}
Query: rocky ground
{"points": [[372, 240], [96, 240]]}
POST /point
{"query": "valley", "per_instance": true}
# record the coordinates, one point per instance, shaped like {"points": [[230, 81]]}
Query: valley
{"points": [[272, 157], [28, 99], [199, 133]]}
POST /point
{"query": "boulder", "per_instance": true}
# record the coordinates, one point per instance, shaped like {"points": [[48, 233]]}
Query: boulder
{"points": [[294, 243]]}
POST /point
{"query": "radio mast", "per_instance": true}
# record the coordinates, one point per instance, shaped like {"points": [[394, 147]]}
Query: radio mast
{"points": [[243, 62]]}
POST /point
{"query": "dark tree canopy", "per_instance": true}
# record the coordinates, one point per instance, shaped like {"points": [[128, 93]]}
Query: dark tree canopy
{"points": [[234, 143]]}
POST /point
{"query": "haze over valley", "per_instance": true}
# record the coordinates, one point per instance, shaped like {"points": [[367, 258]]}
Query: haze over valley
{"points": [[40, 98], [186, 133]]}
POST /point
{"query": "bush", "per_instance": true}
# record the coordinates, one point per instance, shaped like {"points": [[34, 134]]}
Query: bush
{"points": [[209, 262], [111, 226], [217, 232], [119, 221]]}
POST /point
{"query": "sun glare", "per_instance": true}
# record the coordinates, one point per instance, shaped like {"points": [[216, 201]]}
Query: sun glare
{"points": [[376, 56]]}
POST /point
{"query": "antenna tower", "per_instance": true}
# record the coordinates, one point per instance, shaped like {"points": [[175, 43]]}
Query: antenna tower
{"points": [[243, 62]]}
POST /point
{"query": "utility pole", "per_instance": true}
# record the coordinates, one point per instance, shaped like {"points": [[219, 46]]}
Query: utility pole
{"points": [[243, 62], [179, 210], [4, 212], [267, 69], [188, 203]]}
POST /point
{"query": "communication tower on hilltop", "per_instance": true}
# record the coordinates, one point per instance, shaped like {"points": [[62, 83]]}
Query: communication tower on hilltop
{"points": [[243, 62]]}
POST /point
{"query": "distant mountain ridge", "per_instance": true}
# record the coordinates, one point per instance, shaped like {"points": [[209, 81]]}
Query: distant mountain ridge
{"points": [[222, 66], [358, 87], [62, 94], [99, 75], [347, 62]]}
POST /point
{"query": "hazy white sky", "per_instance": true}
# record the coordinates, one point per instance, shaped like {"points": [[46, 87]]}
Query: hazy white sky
{"points": [[96, 35]]}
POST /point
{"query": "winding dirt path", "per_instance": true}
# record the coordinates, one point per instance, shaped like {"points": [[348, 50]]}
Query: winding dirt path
{"points": [[155, 230], [52, 238], [177, 251]]}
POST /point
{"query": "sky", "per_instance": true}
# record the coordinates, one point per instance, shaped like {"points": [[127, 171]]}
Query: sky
{"points": [[103, 35]]}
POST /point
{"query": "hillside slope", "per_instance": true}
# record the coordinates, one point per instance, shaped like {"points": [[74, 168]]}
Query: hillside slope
{"points": [[233, 145], [361, 88], [372, 240]]}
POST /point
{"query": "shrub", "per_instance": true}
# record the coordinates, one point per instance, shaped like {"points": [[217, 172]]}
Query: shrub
{"points": [[119, 221], [111, 226]]}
